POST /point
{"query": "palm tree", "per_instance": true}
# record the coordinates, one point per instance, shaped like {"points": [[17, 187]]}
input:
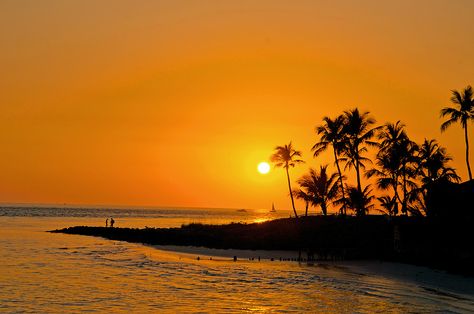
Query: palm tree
{"points": [[463, 112], [388, 162], [432, 167], [360, 202], [388, 204], [321, 187], [286, 156], [433, 160], [387, 173], [391, 135], [302, 195], [396, 163], [358, 134], [331, 132]]}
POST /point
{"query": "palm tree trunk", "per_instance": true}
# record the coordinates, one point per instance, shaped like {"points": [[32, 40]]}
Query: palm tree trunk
{"points": [[404, 205], [306, 210], [360, 211], [467, 152], [291, 193], [397, 198], [359, 186], [324, 209], [343, 209], [400, 200]]}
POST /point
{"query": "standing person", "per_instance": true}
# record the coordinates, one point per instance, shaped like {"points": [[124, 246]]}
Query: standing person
{"points": [[107, 222], [112, 221]]}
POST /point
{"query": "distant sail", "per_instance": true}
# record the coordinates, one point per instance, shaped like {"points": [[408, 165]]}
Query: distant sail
{"points": [[273, 208]]}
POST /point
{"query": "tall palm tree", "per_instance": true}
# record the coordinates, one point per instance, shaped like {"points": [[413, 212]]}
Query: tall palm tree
{"points": [[321, 187], [388, 162], [387, 173], [286, 156], [463, 112], [396, 163], [331, 132], [358, 134]]}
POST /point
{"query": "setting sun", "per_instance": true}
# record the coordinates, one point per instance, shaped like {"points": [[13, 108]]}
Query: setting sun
{"points": [[263, 167]]}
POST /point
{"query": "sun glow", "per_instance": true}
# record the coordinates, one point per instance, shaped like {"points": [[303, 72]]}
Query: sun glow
{"points": [[260, 220], [263, 167]]}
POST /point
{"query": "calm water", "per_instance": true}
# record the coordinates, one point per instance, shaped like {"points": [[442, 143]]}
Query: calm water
{"points": [[44, 272]]}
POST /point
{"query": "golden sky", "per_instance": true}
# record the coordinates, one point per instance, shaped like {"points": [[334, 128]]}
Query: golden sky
{"points": [[174, 103]]}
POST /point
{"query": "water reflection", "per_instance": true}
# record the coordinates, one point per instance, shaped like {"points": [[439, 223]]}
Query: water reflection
{"points": [[43, 272]]}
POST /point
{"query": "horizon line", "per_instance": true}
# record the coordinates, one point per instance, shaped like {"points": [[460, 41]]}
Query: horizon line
{"points": [[108, 206]]}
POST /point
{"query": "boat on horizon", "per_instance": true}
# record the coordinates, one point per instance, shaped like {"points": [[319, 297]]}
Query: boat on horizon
{"points": [[273, 210]]}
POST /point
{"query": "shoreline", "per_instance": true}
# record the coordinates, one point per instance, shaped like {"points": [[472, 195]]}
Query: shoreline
{"points": [[436, 281], [411, 240], [228, 253]]}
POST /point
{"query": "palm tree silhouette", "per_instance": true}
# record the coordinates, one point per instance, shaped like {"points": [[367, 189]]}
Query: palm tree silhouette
{"points": [[432, 167], [321, 187], [433, 160], [396, 160], [389, 205], [463, 112], [302, 195], [286, 156], [360, 202], [331, 132], [388, 162], [358, 134], [387, 173]]}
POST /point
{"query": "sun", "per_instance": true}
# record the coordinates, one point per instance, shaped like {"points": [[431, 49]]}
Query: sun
{"points": [[263, 167]]}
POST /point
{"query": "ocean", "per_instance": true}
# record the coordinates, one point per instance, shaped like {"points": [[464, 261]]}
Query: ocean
{"points": [[43, 272]]}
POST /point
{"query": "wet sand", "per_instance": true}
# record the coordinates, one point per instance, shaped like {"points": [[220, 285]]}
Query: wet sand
{"points": [[434, 280]]}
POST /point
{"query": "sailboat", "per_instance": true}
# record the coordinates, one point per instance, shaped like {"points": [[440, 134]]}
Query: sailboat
{"points": [[273, 208]]}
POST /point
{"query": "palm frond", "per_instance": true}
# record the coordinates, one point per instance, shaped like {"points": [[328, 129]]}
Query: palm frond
{"points": [[445, 125]]}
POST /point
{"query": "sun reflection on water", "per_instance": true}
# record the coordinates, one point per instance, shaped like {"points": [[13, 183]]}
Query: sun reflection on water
{"points": [[261, 219]]}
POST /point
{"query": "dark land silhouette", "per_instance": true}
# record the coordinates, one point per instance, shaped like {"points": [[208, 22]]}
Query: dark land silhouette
{"points": [[442, 241]]}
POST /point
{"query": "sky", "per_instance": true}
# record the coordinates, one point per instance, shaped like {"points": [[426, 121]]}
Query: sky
{"points": [[174, 103]]}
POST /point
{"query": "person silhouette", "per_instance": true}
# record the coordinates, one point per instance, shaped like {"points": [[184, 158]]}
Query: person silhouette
{"points": [[112, 221], [107, 222]]}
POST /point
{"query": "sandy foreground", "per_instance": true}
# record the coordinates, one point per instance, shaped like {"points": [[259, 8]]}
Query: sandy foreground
{"points": [[431, 279]]}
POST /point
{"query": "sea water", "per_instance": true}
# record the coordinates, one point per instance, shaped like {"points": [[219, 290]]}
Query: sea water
{"points": [[43, 272]]}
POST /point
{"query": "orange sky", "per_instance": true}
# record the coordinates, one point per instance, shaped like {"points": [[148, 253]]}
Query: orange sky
{"points": [[174, 103]]}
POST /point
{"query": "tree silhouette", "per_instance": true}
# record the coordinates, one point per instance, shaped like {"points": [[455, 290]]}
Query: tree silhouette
{"points": [[302, 195], [286, 156], [320, 186], [360, 202], [358, 133], [388, 162], [433, 160], [395, 161], [389, 205], [463, 112], [432, 168], [331, 132]]}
